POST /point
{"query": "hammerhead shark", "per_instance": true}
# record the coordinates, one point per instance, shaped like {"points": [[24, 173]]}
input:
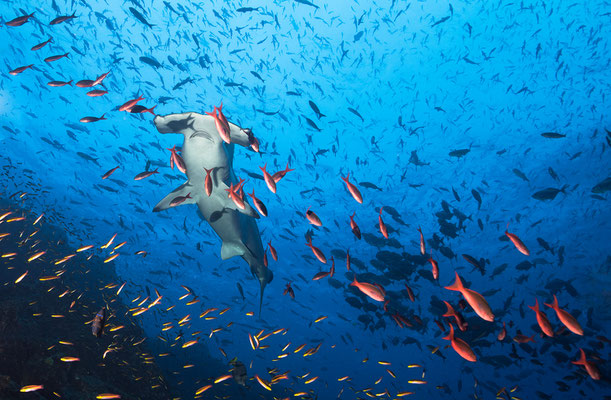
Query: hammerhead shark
{"points": [[204, 149]]}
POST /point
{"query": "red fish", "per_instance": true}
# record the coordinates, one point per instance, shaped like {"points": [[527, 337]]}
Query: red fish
{"points": [[129, 104], [382, 225], [475, 300], [289, 289], [319, 255], [176, 159], [220, 127], [517, 242], [354, 227], [145, 174], [19, 20], [422, 245], [460, 346], [410, 293], [85, 83], [20, 69], [280, 174], [41, 45], [222, 118], [354, 191], [567, 319], [258, 204], [99, 79], [313, 218], [272, 251], [332, 270], [61, 19], [96, 93], [59, 83], [374, 291], [591, 369], [179, 200], [435, 267], [320, 275], [55, 58], [208, 181], [108, 173], [86, 120], [542, 320], [235, 197], [460, 321], [502, 334], [271, 184]]}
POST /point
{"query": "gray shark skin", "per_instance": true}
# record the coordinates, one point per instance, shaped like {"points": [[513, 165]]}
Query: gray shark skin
{"points": [[204, 148]]}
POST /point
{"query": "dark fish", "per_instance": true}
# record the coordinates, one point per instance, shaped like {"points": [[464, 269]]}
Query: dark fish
{"points": [[311, 123], [545, 245], [552, 173], [603, 186], [477, 198], [459, 153], [549, 193], [456, 196], [358, 36], [151, 61], [520, 174], [97, 326], [369, 185], [353, 111], [233, 84], [140, 17], [306, 2], [247, 9], [241, 290], [238, 371], [552, 135], [475, 263], [441, 21], [182, 83], [256, 75], [316, 110]]}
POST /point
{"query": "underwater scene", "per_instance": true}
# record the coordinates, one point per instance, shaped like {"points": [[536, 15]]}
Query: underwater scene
{"points": [[305, 199]]}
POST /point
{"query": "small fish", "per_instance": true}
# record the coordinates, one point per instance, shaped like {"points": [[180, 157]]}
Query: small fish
{"points": [[459, 153], [140, 17], [549, 193], [552, 135], [316, 110], [97, 326]]}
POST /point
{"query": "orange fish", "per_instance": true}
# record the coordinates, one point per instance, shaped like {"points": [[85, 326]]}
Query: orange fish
{"points": [[208, 182], [374, 291], [434, 266], [502, 334], [475, 300], [460, 346], [313, 218], [410, 293], [567, 319], [422, 245], [354, 227], [258, 204], [280, 174], [517, 242], [319, 254], [129, 104], [542, 320], [589, 365], [272, 251], [460, 321], [19, 70], [354, 191], [271, 184], [382, 225]]}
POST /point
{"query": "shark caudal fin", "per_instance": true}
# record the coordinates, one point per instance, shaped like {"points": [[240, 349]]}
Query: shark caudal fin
{"points": [[267, 278], [181, 191]]}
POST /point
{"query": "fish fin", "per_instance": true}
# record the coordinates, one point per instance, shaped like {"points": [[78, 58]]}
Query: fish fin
{"points": [[182, 190], [457, 285], [582, 358], [451, 334], [232, 249]]}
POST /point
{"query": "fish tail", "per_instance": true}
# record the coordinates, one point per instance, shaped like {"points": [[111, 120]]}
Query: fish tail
{"points": [[582, 358], [535, 308], [451, 334], [457, 285], [563, 190]]}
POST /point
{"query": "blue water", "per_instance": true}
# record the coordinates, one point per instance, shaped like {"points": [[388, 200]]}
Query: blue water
{"points": [[403, 86]]}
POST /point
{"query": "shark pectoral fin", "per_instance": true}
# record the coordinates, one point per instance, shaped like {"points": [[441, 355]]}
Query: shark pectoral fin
{"points": [[232, 249], [226, 202], [182, 191]]}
